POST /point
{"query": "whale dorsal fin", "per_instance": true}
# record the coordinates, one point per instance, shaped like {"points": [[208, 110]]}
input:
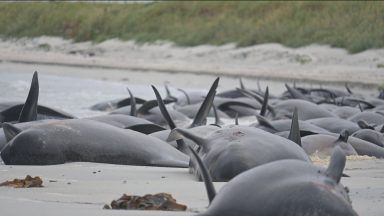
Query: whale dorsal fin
{"points": [[295, 93], [258, 85], [169, 96], [133, 103], [127, 101], [348, 89], [258, 98], [168, 92], [201, 116], [294, 133], [264, 122], [264, 106], [241, 84], [217, 118], [251, 94], [343, 137], [148, 105], [364, 125], [29, 110], [342, 101], [211, 192], [237, 119], [10, 131], [186, 95], [360, 107], [359, 101], [336, 165], [163, 109]]}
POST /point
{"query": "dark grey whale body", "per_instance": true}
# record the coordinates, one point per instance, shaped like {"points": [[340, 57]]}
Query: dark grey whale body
{"points": [[285, 125], [43, 112], [154, 115], [88, 141], [369, 117], [306, 110], [22, 126], [363, 147], [324, 144], [232, 150], [281, 188], [369, 135], [129, 122], [115, 104], [335, 125]]}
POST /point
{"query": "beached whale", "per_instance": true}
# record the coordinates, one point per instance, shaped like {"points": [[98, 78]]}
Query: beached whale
{"points": [[30, 110], [323, 144], [232, 150], [280, 188], [82, 140]]}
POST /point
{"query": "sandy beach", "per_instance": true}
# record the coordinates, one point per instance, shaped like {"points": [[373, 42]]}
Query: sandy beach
{"points": [[268, 61], [84, 188], [103, 71]]}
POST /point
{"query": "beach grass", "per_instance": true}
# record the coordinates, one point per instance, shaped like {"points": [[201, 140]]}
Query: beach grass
{"points": [[356, 26]]}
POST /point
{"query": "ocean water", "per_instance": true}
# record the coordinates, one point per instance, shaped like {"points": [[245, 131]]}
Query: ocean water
{"points": [[74, 89]]}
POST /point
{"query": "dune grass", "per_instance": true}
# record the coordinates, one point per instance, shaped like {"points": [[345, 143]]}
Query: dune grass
{"points": [[356, 26]]}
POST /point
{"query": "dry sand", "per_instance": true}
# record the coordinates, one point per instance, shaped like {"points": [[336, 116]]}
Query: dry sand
{"points": [[80, 189], [272, 61]]}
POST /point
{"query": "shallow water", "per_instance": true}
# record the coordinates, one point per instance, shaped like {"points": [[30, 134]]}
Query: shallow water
{"points": [[75, 89]]}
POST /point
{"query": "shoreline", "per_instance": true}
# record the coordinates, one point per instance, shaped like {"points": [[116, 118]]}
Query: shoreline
{"points": [[315, 63], [208, 73]]}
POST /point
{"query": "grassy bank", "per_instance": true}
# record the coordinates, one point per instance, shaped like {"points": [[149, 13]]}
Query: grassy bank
{"points": [[356, 26]]}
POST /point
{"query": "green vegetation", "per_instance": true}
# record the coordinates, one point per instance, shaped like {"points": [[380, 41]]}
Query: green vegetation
{"points": [[356, 26]]}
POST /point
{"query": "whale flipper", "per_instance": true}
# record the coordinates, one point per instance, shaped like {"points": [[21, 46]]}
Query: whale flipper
{"points": [[10, 131]]}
